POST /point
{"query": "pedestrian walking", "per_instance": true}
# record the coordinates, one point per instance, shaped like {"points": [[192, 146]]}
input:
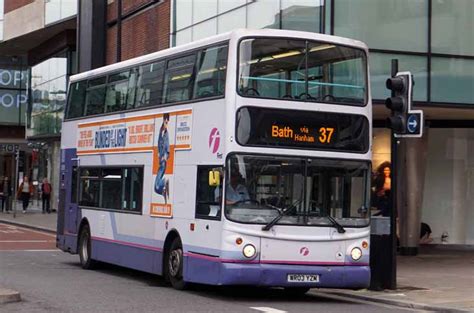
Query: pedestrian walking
{"points": [[46, 195], [24, 192], [7, 192]]}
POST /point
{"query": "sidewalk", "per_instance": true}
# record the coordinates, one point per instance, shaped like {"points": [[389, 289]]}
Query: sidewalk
{"points": [[439, 279], [32, 219]]}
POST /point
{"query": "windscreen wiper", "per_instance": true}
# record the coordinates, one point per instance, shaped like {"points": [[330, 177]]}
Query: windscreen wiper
{"points": [[336, 225], [280, 215]]}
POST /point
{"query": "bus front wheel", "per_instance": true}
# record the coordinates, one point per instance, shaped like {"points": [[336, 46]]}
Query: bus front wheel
{"points": [[85, 248], [174, 265]]}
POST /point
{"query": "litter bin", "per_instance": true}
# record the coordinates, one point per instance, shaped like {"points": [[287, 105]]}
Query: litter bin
{"points": [[380, 253]]}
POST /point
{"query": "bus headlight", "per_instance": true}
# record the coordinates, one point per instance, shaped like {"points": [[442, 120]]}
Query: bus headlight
{"points": [[249, 251], [356, 254]]}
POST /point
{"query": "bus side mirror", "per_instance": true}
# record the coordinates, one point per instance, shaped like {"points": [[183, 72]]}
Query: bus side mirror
{"points": [[214, 178]]}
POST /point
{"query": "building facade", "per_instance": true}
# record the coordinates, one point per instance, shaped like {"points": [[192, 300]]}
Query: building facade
{"points": [[429, 38], [38, 48]]}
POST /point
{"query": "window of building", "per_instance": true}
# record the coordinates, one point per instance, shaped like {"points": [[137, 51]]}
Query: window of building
{"points": [[204, 9], [210, 77], [389, 24], [380, 70], [112, 188], [231, 20], [226, 5], [179, 78], [205, 29], [452, 80], [150, 84], [449, 20], [302, 15], [263, 14], [208, 198], [185, 16], [56, 10]]}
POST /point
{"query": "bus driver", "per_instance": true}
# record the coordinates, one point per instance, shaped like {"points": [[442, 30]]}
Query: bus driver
{"points": [[234, 192]]}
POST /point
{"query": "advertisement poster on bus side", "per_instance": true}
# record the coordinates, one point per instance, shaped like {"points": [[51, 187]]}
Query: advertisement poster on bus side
{"points": [[116, 136], [172, 132], [160, 134]]}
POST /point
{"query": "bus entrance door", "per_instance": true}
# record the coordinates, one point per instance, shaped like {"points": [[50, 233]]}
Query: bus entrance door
{"points": [[72, 210]]}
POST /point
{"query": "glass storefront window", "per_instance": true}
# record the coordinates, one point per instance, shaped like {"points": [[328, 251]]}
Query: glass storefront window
{"points": [[452, 80], [449, 19], [48, 86], [389, 24], [380, 70]]}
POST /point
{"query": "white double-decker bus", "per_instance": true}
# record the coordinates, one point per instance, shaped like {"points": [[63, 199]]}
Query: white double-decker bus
{"points": [[241, 159]]}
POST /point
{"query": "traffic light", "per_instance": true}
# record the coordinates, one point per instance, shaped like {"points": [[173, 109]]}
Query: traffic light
{"points": [[400, 101]]}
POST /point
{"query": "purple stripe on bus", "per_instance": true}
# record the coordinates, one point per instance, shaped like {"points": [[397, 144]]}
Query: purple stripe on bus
{"points": [[131, 244], [131, 256]]}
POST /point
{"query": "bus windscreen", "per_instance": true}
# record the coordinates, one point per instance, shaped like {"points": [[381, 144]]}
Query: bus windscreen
{"points": [[302, 70]]}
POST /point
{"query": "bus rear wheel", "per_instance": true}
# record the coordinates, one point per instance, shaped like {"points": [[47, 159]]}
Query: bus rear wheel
{"points": [[174, 265], [85, 248]]}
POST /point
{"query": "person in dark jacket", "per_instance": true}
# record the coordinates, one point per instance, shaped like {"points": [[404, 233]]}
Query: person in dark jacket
{"points": [[46, 195], [7, 192]]}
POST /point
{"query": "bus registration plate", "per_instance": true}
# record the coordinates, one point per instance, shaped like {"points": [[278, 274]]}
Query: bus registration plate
{"points": [[302, 278]]}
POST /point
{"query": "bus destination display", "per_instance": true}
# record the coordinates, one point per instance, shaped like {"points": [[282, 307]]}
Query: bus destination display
{"points": [[303, 134], [310, 130]]}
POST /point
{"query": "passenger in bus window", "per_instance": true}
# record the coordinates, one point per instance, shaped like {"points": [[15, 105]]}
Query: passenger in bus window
{"points": [[161, 183]]}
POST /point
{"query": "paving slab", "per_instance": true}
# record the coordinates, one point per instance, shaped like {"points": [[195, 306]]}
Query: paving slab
{"points": [[440, 280], [33, 218], [8, 295]]}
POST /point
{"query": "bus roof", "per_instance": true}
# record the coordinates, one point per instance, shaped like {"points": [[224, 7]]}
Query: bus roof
{"points": [[235, 34]]}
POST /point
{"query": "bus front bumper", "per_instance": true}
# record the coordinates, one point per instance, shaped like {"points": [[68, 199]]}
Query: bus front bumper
{"points": [[277, 275], [352, 276]]}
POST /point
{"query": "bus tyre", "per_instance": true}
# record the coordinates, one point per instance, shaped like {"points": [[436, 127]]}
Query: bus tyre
{"points": [[296, 291], [85, 248], [174, 265]]}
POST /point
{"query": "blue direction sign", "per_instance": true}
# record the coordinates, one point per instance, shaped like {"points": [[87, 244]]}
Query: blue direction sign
{"points": [[414, 126], [413, 123]]}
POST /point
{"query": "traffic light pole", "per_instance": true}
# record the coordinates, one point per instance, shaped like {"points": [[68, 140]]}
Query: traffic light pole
{"points": [[393, 194]]}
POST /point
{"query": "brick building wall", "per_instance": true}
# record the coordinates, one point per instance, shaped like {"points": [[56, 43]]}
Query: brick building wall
{"points": [[11, 5], [145, 28]]}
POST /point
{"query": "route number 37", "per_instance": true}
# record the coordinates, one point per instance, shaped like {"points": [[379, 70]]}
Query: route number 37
{"points": [[325, 134]]}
